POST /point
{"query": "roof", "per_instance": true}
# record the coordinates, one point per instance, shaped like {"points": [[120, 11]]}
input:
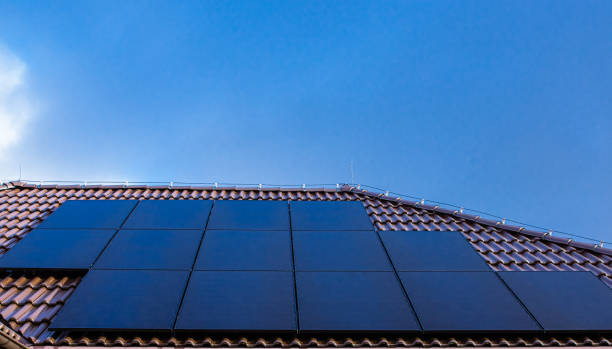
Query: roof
{"points": [[28, 301]]}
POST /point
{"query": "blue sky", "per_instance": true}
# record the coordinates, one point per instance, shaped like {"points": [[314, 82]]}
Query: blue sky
{"points": [[499, 106]]}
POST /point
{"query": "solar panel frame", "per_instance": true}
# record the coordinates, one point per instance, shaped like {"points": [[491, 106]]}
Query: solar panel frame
{"points": [[151, 249], [169, 214], [329, 215], [89, 214], [432, 251], [239, 301], [353, 301], [465, 302], [143, 300], [245, 250], [54, 249], [564, 300], [359, 250], [249, 215]]}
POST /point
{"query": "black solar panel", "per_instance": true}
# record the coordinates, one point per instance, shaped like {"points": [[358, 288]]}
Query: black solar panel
{"points": [[465, 301], [169, 214], [250, 215], [233, 300], [57, 249], [89, 214], [432, 251], [564, 301], [124, 300], [245, 250], [329, 215], [243, 276], [350, 301], [339, 251], [151, 249]]}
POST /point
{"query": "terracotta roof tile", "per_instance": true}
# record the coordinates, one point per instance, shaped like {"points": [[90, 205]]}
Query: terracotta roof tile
{"points": [[323, 341], [607, 280]]}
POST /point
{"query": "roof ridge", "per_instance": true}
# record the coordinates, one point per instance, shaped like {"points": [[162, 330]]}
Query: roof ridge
{"points": [[170, 186]]}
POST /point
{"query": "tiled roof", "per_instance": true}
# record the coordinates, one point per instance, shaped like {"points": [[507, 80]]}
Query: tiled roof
{"points": [[326, 342], [28, 302]]}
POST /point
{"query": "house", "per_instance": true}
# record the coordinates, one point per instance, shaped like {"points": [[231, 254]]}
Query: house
{"points": [[30, 298]]}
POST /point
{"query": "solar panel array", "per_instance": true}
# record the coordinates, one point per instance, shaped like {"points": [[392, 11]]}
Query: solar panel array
{"points": [[278, 266]]}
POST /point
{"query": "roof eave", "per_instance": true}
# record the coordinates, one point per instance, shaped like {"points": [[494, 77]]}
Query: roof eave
{"points": [[9, 339]]}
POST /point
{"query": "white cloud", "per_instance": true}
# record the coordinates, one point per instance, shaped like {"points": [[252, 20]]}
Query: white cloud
{"points": [[15, 107]]}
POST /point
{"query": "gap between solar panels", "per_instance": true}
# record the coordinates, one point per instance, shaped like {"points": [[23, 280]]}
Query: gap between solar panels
{"points": [[287, 267]]}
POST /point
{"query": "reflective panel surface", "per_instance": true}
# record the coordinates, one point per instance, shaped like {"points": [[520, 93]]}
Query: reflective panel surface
{"points": [[348, 301], [57, 249], [563, 301], [359, 250], [432, 251], [245, 250], [169, 214], [123, 300], [151, 249], [465, 301], [329, 215], [231, 300], [250, 215], [89, 214]]}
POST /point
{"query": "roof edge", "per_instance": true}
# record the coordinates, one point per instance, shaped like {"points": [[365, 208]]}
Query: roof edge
{"points": [[9, 338]]}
